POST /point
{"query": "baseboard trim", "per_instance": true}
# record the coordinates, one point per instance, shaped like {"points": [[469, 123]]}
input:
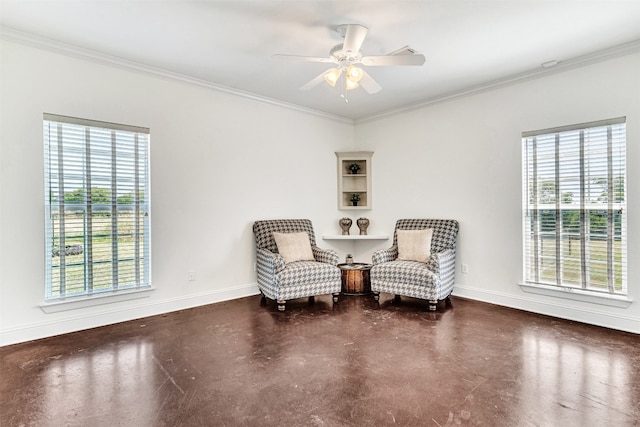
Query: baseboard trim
{"points": [[144, 309], [590, 315], [112, 315]]}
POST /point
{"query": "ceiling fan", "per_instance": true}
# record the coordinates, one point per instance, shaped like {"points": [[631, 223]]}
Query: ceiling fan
{"points": [[347, 55]]}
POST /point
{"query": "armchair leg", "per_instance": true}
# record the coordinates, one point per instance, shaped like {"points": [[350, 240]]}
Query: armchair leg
{"points": [[396, 298], [312, 299], [433, 305], [376, 296], [281, 304], [335, 297], [448, 302]]}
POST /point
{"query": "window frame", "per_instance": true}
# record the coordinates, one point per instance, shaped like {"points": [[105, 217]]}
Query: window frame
{"points": [[82, 156], [558, 204]]}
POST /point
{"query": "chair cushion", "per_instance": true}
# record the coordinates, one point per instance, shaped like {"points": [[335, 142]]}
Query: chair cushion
{"points": [[294, 246], [317, 278], [414, 245], [402, 274]]}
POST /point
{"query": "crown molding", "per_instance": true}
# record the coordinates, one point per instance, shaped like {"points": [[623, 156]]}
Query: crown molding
{"points": [[43, 43], [561, 66], [50, 45]]}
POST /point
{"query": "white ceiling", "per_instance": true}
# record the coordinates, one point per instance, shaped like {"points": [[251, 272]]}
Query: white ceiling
{"points": [[468, 43]]}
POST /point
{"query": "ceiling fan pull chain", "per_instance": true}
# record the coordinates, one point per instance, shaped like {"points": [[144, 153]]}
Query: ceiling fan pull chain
{"points": [[344, 88]]}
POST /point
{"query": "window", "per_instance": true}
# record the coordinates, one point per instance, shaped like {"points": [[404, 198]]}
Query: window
{"points": [[96, 207], [574, 202]]}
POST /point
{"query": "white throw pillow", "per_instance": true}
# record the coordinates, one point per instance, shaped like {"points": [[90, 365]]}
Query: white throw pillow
{"points": [[414, 245], [294, 246]]}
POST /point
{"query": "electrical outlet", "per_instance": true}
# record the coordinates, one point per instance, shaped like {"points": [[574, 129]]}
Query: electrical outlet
{"points": [[191, 276], [465, 268]]}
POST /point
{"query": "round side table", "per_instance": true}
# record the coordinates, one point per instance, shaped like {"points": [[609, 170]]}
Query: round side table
{"points": [[355, 278]]}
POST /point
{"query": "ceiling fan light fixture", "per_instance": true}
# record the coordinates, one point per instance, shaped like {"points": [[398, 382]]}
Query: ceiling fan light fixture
{"points": [[354, 73], [350, 84], [332, 76]]}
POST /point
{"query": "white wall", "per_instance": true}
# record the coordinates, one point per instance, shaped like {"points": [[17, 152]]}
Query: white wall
{"points": [[221, 161], [462, 159], [218, 162]]}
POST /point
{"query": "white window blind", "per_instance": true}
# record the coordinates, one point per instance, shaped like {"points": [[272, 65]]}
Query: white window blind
{"points": [[97, 219], [574, 200]]}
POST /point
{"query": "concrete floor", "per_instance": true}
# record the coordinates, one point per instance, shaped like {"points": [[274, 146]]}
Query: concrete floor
{"points": [[353, 364]]}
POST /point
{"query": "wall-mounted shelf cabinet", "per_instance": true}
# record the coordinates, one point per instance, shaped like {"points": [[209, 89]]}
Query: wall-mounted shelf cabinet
{"points": [[354, 179]]}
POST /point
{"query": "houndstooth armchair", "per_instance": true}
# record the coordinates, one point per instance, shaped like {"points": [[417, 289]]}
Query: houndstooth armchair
{"points": [[433, 280], [280, 281]]}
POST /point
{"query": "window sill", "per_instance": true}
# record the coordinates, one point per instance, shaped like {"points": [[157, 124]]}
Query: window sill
{"points": [[75, 303], [577, 295]]}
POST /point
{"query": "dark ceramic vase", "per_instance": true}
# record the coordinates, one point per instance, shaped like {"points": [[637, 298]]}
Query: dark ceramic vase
{"points": [[345, 225], [363, 224]]}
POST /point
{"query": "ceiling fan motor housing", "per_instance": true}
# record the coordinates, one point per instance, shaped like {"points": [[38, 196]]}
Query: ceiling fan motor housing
{"points": [[345, 58]]}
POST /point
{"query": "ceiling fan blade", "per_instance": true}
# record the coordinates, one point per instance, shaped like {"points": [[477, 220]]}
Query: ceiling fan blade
{"points": [[369, 84], [314, 82], [303, 58], [383, 60], [354, 37]]}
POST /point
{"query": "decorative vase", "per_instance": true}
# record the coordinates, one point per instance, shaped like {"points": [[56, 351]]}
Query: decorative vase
{"points": [[363, 223], [345, 224]]}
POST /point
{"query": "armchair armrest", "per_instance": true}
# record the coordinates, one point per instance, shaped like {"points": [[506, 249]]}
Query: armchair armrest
{"points": [[443, 264], [328, 256], [269, 262], [385, 255]]}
